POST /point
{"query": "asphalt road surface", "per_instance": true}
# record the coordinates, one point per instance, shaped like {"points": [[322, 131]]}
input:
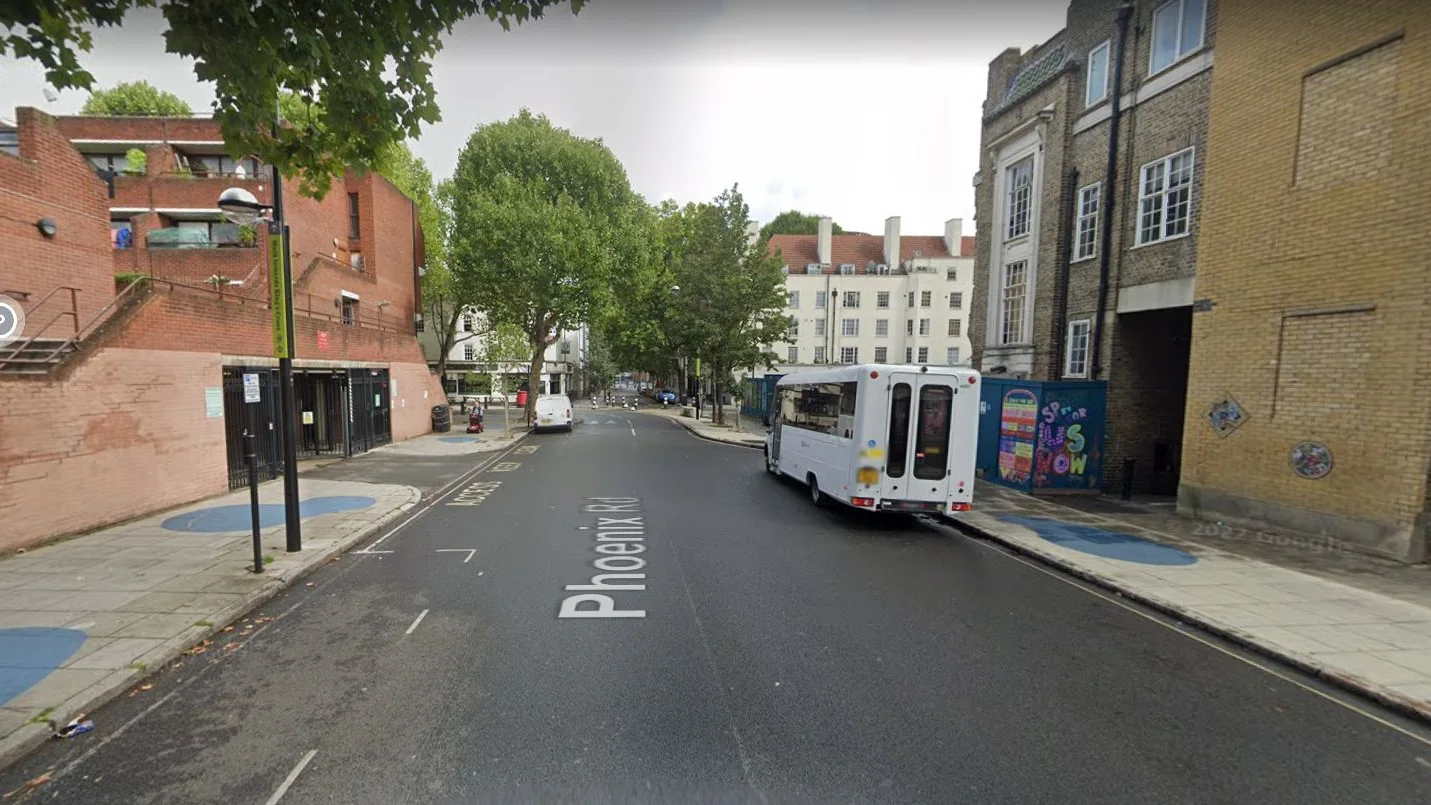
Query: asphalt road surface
{"points": [[777, 653]]}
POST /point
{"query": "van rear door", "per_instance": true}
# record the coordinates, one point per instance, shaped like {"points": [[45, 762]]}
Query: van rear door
{"points": [[919, 461]]}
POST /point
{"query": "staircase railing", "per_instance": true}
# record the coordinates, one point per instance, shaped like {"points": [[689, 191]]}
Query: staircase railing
{"points": [[64, 345]]}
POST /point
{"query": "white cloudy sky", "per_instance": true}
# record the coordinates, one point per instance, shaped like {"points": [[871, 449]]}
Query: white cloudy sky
{"points": [[858, 109]]}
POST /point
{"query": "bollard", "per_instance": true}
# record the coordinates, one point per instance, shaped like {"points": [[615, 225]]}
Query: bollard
{"points": [[252, 456], [1128, 478]]}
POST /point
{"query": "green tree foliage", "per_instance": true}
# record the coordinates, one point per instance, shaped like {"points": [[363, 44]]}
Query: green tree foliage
{"points": [[135, 98], [633, 330], [731, 299], [541, 222], [365, 68], [794, 222]]}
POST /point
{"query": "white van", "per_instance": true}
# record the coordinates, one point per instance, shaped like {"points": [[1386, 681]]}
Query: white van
{"points": [[881, 437], [553, 413]]}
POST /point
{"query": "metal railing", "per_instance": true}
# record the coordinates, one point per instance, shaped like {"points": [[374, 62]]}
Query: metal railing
{"points": [[63, 345]]}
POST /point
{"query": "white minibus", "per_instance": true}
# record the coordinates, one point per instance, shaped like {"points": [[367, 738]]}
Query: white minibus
{"points": [[876, 436]]}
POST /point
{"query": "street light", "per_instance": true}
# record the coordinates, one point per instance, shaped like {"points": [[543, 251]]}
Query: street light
{"points": [[240, 206]]}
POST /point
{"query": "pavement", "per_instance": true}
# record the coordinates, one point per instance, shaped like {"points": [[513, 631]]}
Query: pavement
{"points": [[83, 619], [1357, 621], [750, 648], [750, 433]]}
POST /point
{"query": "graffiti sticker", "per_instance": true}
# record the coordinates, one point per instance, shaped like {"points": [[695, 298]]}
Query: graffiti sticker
{"points": [[1311, 460]]}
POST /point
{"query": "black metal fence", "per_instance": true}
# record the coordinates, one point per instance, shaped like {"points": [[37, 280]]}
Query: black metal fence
{"points": [[261, 416], [321, 397]]}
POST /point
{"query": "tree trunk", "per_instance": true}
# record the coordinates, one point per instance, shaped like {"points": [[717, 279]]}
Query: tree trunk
{"points": [[717, 410], [534, 381]]}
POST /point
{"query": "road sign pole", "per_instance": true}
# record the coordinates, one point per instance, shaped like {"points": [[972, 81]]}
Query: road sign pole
{"points": [[280, 268], [251, 397]]}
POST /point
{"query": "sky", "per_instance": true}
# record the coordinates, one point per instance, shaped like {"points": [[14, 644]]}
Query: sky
{"points": [[856, 109]]}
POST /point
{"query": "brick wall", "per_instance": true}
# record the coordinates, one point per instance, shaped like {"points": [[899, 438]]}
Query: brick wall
{"points": [[122, 435], [1321, 325], [50, 180], [418, 390]]}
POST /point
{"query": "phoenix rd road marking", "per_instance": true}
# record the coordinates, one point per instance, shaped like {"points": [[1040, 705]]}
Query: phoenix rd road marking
{"points": [[505, 466], [618, 540], [475, 494], [526, 449]]}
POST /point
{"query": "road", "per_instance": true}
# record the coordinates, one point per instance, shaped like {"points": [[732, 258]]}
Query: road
{"points": [[782, 654]]}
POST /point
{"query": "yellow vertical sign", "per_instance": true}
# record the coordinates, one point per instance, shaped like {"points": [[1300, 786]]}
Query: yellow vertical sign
{"points": [[277, 296]]}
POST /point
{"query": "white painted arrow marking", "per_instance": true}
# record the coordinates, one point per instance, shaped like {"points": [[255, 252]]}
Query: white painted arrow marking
{"points": [[471, 552]]}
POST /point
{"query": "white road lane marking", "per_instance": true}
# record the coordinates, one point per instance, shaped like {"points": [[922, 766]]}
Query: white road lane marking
{"points": [[293, 775], [471, 552], [420, 616]]}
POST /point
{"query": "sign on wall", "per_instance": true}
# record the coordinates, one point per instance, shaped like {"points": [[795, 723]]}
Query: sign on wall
{"points": [[277, 296], [213, 402]]}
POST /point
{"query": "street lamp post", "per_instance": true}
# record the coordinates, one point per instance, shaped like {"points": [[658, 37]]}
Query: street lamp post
{"points": [[240, 207]]}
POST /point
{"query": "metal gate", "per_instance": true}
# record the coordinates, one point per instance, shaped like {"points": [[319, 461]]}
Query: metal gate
{"points": [[369, 410], [262, 415], [322, 413]]}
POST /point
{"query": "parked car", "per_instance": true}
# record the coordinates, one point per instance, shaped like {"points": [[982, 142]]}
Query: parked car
{"points": [[553, 413], [665, 396]]}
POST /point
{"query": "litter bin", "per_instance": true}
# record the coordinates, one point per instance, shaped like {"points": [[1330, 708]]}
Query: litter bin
{"points": [[441, 418], [521, 399]]}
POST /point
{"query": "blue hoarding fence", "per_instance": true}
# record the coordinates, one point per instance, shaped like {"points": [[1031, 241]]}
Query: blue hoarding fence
{"points": [[758, 395], [1039, 436]]}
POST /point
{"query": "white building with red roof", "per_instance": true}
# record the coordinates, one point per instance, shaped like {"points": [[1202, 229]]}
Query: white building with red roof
{"points": [[876, 299]]}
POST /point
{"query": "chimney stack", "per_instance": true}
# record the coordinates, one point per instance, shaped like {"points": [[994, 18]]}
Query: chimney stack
{"points": [[822, 243], [954, 236], [891, 241]]}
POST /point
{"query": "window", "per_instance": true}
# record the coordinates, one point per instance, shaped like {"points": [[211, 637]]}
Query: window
{"points": [[909, 326], [881, 328], [951, 274], [217, 232], [469, 352], [956, 300], [849, 354], [852, 299], [354, 229], [350, 310], [1097, 88], [911, 298], [909, 354], [881, 355], [819, 354], [847, 269], [119, 163], [924, 354], [924, 326], [882, 300], [926, 298], [898, 429], [1085, 242], [421, 325], [1165, 198], [819, 299], [785, 269], [819, 326], [931, 434], [1177, 31], [814, 268], [792, 332], [1020, 196], [814, 407], [208, 165], [955, 328], [850, 327], [952, 356], [792, 300], [1013, 290], [467, 323], [792, 355], [1075, 363]]}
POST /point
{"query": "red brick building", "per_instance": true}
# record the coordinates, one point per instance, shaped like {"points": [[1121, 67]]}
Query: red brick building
{"points": [[144, 307]]}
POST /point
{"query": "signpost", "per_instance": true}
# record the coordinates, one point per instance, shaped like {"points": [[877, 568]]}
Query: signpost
{"points": [[252, 395]]}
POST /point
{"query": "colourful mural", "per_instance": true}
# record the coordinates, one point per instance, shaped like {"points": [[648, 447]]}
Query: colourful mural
{"points": [[1311, 460], [1017, 430], [1064, 442], [1226, 415]]}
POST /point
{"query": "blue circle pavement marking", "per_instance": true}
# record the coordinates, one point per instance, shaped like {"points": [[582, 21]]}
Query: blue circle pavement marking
{"points": [[239, 518], [1107, 544], [28, 654]]}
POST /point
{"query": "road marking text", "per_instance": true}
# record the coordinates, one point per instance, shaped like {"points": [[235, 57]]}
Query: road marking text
{"points": [[618, 540]]}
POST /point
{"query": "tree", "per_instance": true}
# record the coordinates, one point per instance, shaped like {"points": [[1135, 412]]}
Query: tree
{"points": [[541, 219], [794, 222], [600, 370], [135, 98], [365, 69], [730, 306], [634, 331], [502, 347]]}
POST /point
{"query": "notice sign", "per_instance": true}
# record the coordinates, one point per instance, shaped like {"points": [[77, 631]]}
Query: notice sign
{"points": [[213, 402], [251, 391], [323, 340], [308, 417], [277, 297]]}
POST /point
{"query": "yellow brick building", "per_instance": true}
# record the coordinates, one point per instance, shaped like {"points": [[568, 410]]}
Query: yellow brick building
{"points": [[1309, 396]]}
